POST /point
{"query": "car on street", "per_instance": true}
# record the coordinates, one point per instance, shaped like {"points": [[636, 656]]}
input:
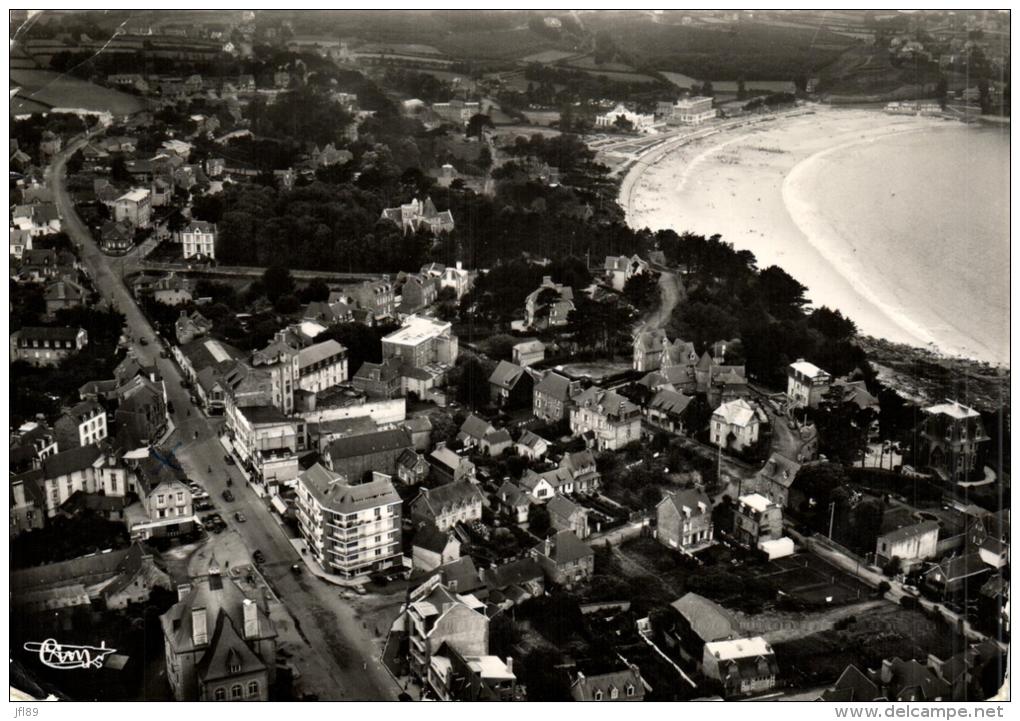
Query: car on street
{"points": [[296, 569], [258, 556], [143, 341], [184, 383], [170, 407], [239, 517], [228, 459], [228, 496]]}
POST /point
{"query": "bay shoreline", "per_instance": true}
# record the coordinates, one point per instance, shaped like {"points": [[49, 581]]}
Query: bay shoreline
{"points": [[751, 185]]}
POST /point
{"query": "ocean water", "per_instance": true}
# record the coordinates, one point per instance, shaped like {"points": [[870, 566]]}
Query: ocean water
{"points": [[922, 221]]}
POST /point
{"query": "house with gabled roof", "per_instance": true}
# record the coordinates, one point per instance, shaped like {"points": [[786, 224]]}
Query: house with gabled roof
{"points": [[511, 386], [514, 503], [437, 615], [620, 269], [548, 305], [565, 559], [622, 683], [552, 396], [667, 410], [447, 505], [911, 544], [433, 548], [220, 644], [684, 520], [605, 419], [852, 685], [531, 446], [514, 582], [737, 424], [565, 515], [776, 477], [448, 465]]}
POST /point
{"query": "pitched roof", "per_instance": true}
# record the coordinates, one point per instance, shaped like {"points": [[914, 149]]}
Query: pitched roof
{"points": [[669, 401], [367, 443], [530, 439], [448, 458], [852, 685], [564, 547], [779, 469], [562, 506], [333, 491], [476, 427], [555, 385], [217, 595], [737, 413], [85, 569], [911, 531], [689, 498], [320, 352], [959, 567], [67, 462], [506, 374], [513, 573], [60, 333], [606, 403], [447, 497], [708, 620], [228, 654]]}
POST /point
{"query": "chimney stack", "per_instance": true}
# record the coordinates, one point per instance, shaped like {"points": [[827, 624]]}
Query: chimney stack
{"points": [[199, 627], [509, 664], [251, 619], [460, 266]]}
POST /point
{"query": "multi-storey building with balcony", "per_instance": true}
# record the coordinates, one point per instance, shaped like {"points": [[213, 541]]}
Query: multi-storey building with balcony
{"points": [[950, 437], [351, 528]]}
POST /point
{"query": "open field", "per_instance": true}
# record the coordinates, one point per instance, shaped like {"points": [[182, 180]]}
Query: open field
{"points": [[63, 91], [497, 44], [884, 632], [547, 57]]}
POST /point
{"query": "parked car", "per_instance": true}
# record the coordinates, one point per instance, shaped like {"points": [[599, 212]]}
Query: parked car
{"points": [[258, 556], [170, 407], [143, 341], [228, 496], [228, 459], [239, 517], [296, 569]]}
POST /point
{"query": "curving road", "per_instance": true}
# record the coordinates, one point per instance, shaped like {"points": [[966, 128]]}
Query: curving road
{"points": [[347, 653]]}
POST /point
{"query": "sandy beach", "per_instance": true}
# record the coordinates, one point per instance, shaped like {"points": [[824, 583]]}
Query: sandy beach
{"points": [[757, 187]]}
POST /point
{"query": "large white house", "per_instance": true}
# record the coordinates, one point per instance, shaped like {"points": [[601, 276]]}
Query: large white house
{"points": [[639, 121], [198, 238], [692, 111], [737, 424]]}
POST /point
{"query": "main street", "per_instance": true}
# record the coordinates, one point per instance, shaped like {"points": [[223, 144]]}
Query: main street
{"points": [[346, 650]]}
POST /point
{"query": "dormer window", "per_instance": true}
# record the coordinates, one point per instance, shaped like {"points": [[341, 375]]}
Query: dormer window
{"points": [[630, 690], [597, 696], [614, 693]]}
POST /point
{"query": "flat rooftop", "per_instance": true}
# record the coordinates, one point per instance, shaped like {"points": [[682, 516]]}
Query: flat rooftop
{"points": [[416, 330]]}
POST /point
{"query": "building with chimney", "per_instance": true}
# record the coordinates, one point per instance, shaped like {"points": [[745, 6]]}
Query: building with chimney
{"points": [[684, 520], [198, 239], [756, 519], [220, 644], [605, 419]]}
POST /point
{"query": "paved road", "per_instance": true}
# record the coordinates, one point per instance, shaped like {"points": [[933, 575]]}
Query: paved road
{"points": [[330, 626]]}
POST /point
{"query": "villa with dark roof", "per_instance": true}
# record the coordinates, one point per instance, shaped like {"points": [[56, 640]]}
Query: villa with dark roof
{"points": [[447, 505], [220, 645], [605, 419]]}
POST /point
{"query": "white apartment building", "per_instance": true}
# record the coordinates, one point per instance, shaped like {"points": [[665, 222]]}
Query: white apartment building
{"points": [[135, 206], [350, 529]]}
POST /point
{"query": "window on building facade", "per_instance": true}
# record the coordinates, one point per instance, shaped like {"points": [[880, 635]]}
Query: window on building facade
{"points": [[220, 694], [235, 691], [253, 689]]}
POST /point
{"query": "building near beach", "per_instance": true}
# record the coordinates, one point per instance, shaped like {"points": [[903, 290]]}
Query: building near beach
{"points": [[692, 111], [638, 121]]}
